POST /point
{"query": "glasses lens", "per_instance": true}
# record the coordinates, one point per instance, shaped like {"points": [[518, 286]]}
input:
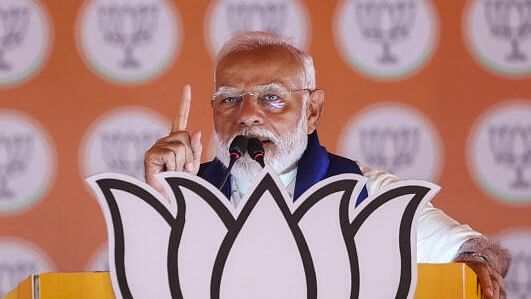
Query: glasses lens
{"points": [[225, 101], [272, 99]]}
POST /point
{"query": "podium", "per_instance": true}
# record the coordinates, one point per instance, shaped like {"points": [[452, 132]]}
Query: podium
{"points": [[454, 280]]}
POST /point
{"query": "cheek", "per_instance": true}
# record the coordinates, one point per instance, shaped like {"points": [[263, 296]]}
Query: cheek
{"points": [[225, 126], [285, 122]]}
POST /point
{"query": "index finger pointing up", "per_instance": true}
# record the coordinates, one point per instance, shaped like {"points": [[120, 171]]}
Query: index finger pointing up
{"points": [[181, 121]]}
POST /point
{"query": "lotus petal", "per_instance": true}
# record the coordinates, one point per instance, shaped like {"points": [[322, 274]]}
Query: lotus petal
{"points": [[264, 240], [207, 215], [378, 224], [139, 224], [318, 213]]}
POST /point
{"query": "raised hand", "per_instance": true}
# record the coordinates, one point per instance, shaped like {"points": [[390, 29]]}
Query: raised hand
{"points": [[176, 152]]}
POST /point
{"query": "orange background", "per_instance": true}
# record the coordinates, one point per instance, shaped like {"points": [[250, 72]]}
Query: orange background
{"points": [[66, 97]]}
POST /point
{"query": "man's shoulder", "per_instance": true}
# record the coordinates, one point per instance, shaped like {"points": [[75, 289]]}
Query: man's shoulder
{"points": [[339, 164], [377, 178], [340, 159]]}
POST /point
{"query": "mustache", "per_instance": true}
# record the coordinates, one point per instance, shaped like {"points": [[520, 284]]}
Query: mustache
{"points": [[256, 132]]}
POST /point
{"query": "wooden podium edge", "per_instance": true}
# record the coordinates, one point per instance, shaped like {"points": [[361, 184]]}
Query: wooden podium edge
{"points": [[434, 281]]}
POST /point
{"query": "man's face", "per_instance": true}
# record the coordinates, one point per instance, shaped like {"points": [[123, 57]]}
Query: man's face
{"points": [[282, 127], [251, 70]]}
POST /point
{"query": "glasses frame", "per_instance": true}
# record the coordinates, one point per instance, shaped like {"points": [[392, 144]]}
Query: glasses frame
{"points": [[254, 95]]}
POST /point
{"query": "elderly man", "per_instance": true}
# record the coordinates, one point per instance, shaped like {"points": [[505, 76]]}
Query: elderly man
{"points": [[265, 88]]}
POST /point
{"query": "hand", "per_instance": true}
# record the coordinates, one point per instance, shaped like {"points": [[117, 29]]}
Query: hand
{"points": [[491, 282], [176, 152]]}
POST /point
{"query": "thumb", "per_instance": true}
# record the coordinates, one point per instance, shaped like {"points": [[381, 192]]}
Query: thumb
{"points": [[197, 149]]}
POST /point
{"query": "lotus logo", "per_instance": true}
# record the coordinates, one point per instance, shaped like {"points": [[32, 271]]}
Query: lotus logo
{"points": [[395, 138], [128, 27], [391, 149], [24, 37], [15, 21], [372, 16], [15, 155], [498, 33], [118, 140], [509, 20], [198, 245], [267, 17], [499, 151], [511, 147], [518, 279], [129, 42], [386, 39], [284, 17], [26, 162]]}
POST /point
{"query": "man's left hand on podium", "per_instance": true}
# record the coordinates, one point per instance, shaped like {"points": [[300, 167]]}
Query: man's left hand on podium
{"points": [[491, 281]]}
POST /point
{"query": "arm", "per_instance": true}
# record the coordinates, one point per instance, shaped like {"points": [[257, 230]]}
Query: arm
{"points": [[441, 239], [176, 152]]}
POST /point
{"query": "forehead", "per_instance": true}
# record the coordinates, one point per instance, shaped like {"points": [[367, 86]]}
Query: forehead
{"points": [[248, 68]]}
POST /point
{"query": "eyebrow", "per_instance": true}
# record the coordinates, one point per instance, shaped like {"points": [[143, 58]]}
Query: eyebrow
{"points": [[230, 89]]}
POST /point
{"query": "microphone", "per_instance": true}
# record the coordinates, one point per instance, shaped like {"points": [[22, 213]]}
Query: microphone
{"points": [[237, 148], [256, 151]]}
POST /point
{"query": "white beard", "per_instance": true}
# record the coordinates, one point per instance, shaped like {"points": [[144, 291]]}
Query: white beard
{"points": [[286, 151]]}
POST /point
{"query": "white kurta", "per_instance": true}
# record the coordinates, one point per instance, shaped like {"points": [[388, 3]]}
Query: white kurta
{"points": [[439, 237]]}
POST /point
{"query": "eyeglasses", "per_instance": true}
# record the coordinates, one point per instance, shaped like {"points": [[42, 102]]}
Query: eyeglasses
{"points": [[270, 99]]}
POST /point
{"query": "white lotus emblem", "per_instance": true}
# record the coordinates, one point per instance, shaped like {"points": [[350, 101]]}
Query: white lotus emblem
{"points": [[201, 246]]}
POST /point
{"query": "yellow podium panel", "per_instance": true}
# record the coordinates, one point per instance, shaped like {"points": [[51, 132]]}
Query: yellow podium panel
{"points": [[443, 281], [434, 281]]}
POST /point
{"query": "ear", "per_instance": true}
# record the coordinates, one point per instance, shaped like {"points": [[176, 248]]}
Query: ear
{"points": [[314, 108]]}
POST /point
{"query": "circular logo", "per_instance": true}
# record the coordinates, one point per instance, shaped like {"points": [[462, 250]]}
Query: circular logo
{"points": [[386, 39], [118, 141], [129, 41], [27, 162], [518, 279], [19, 259], [24, 39], [285, 17], [395, 138], [499, 151], [99, 260], [497, 33]]}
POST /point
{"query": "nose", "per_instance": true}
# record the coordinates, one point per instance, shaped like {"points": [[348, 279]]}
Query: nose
{"points": [[250, 113]]}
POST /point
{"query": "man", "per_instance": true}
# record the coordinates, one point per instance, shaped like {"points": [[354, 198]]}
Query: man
{"points": [[265, 88]]}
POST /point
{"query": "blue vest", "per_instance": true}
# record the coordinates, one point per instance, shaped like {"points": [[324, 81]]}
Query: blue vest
{"points": [[315, 165]]}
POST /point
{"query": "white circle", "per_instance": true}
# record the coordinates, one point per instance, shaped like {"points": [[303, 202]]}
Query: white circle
{"points": [[99, 261], [27, 162], [285, 17], [499, 151], [518, 279], [393, 137], [19, 259], [129, 41], [24, 40], [117, 141], [491, 33], [384, 39]]}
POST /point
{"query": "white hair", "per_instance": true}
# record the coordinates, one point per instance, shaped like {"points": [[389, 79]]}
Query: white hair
{"points": [[245, 41]]}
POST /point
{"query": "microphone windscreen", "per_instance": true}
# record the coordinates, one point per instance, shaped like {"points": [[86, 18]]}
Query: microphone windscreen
{"points": [[238, 146], [255, 148]]}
